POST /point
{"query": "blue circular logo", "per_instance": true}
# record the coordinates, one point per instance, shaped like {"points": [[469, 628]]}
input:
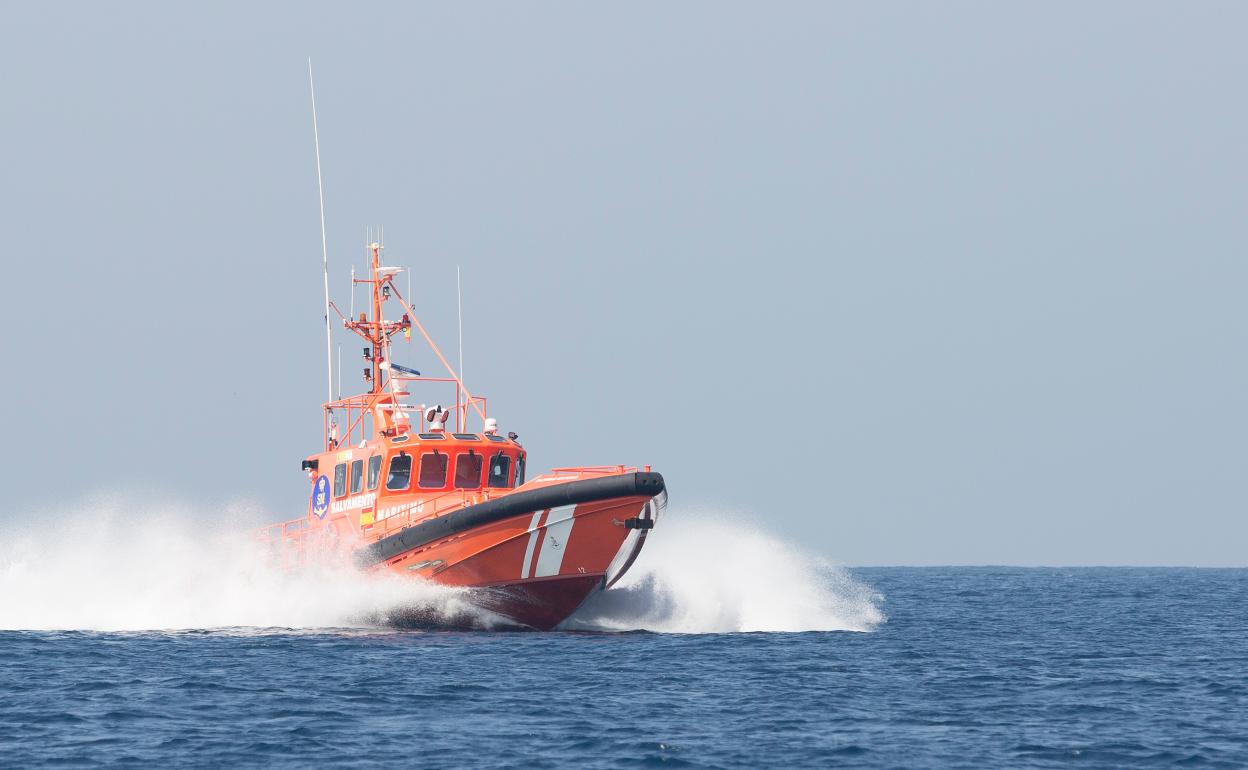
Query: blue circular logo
{"points": [[320, 497]]}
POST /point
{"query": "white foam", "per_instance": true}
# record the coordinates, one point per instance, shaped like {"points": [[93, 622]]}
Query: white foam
{"points": [[712, 572], [122, 562]]}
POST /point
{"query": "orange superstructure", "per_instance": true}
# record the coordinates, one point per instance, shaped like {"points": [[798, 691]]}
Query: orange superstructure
{"points": [[398, 489]]}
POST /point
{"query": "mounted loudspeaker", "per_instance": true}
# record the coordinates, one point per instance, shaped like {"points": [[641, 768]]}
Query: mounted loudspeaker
{"points": [[436, 414]]}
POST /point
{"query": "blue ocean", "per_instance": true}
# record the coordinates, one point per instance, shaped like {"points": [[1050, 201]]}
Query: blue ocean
{"points": [[747, 652]]}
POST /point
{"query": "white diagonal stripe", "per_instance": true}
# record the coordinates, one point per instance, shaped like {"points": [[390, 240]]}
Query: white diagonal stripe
{"points": [[555, 542], [528, 550]]}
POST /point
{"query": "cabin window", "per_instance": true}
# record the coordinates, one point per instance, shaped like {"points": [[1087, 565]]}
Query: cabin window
{"points": [[500, 472], [357, 477], [374, 471], [495, 437], [520, 470], [466, 436], [400, 476], [433, 470], [340, 480], [468, 471]]}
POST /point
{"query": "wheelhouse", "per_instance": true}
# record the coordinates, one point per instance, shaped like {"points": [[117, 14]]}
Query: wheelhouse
{"points": [[425, 466], [464, 461]]}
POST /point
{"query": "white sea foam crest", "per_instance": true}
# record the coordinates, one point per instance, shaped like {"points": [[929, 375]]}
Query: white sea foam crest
{"points": [[711, 572], [124, 562]]}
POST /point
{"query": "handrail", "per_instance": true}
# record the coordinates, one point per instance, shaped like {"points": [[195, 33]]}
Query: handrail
{"points": [[594, 469], [438, 505]]}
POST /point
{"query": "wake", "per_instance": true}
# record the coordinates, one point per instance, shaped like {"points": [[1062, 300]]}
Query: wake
{"points": [[703, 573], [127, 563]]}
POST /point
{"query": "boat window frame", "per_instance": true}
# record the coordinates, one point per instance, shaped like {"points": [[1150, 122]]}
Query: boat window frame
{"points": [[431, 436], [496, 437], [480, 467], [340, 480], [373, 474], [390, 471], [520, 463], [354, 477], [420, 475], [466, 436], [506, 477]]}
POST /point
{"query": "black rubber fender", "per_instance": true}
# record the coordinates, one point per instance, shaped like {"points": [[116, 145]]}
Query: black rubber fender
{"points": [[637, 484]]}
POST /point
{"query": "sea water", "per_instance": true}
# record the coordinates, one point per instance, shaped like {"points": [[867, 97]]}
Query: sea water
{"points": [[171, 644]]}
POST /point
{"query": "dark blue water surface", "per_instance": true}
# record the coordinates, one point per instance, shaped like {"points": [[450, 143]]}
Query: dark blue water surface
{"points": [[991, 667]]}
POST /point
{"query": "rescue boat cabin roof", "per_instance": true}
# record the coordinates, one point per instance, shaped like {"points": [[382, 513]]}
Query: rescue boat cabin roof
{"points": [[409, 441]]}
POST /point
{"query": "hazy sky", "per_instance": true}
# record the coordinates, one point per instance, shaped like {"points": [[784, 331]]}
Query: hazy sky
{"points": [[916, 283]]}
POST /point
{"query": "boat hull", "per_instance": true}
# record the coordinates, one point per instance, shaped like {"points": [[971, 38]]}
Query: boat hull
{"points": [[532, 565]]}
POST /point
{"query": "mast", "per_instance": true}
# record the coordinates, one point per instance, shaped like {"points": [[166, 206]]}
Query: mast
{"points": [[377, 330], [374, 330], [459, 312]]}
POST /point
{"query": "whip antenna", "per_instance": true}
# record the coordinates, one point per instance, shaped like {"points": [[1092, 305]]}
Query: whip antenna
{"points": [[320, 191], [459, 311]]}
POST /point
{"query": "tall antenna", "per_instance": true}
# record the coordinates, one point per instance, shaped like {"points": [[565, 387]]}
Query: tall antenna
{"points": [[320, 191], [459, 304]]}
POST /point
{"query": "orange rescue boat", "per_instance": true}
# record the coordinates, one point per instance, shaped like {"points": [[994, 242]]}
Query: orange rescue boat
{"points": [[396, 490]]}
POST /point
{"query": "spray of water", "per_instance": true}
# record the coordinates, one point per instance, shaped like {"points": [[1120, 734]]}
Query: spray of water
{"points": [[707, 572], [128, 562], [123, 562]]}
